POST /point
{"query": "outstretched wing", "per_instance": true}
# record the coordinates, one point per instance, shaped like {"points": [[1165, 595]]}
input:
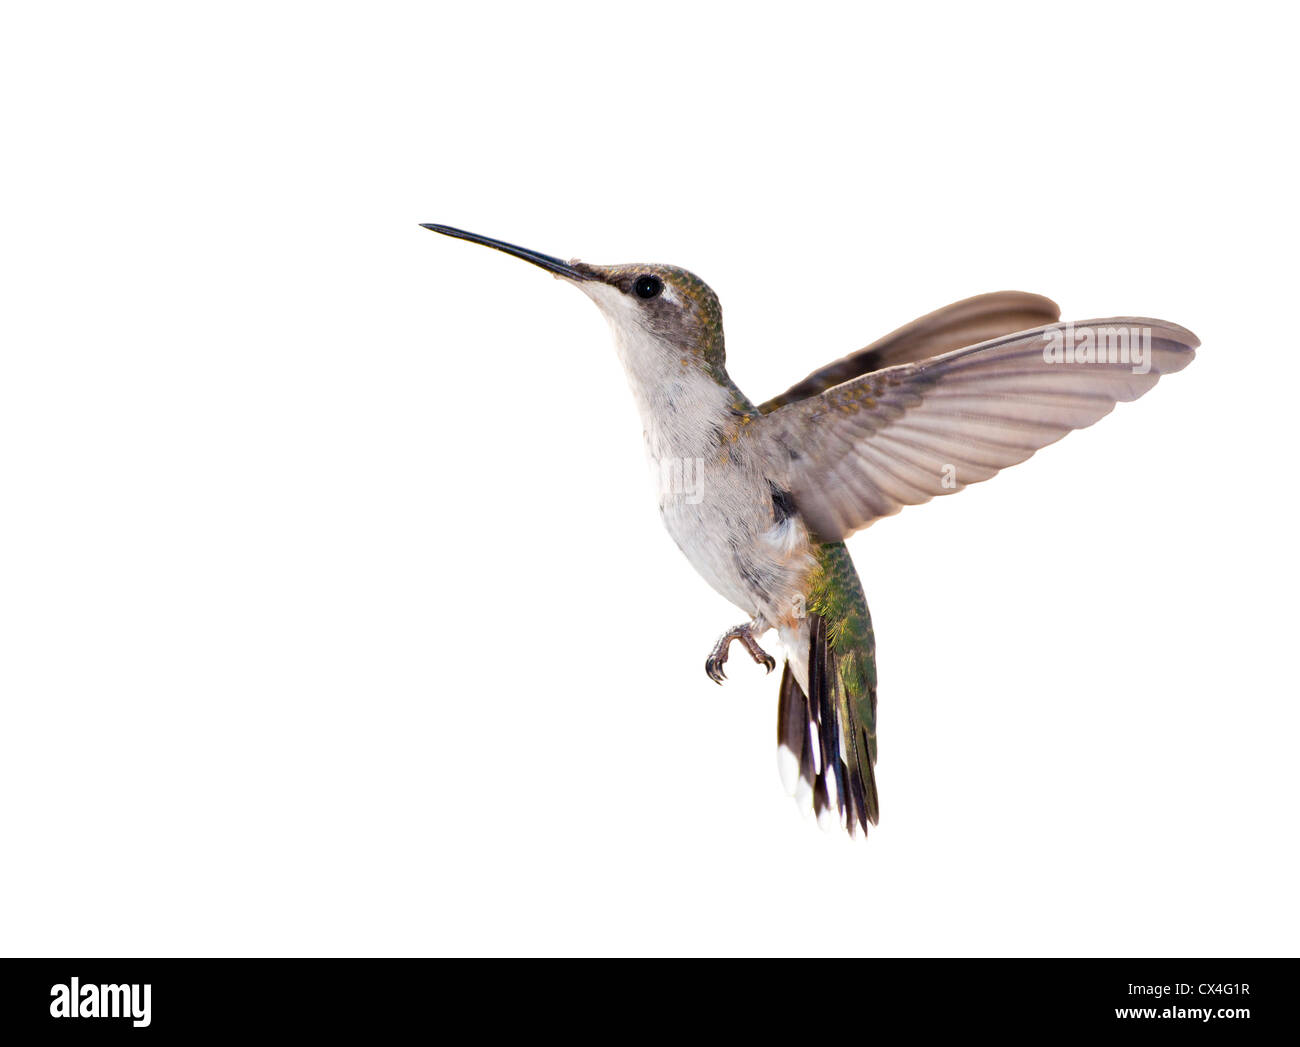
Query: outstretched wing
{"points": [[901, 436], [963, 323]]}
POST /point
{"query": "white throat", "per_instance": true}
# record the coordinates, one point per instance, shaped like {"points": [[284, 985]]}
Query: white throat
{"points": [[681, 406]]}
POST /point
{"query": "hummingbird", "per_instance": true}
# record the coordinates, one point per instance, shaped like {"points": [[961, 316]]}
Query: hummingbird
{"points": [[776, 487]]}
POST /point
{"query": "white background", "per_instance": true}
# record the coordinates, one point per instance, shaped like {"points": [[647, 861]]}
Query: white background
{"points": [[335, 613]]}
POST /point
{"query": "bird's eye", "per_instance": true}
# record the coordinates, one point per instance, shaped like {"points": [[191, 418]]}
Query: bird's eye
{"points": [[647, 286]]}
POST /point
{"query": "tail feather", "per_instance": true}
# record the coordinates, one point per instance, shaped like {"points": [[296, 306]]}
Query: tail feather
{"points": [[794, 748], [827, 737], [829, 798]]}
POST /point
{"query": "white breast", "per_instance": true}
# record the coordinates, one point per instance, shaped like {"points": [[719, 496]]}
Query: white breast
{"points": [[714, 496]]}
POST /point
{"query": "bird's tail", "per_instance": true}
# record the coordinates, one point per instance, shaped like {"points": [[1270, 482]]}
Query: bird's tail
{"points": [[826, 735]]}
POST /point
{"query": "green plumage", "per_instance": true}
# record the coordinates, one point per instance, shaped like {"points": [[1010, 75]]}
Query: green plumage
{"points": [[837, 596], [830, 731]]}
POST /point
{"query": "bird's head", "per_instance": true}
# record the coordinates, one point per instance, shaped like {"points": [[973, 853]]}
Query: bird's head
{"points": [[652, 309]]}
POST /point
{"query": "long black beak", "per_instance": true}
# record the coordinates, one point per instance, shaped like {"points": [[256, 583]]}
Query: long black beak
{"points": [[554, 265]]}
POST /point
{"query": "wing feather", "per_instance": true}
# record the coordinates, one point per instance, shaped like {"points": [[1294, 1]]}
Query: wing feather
{"points": [[963, 323], [863, 449]]}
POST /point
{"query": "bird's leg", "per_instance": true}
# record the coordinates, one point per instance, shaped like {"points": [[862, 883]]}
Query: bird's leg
{"points": [[718, 658]]}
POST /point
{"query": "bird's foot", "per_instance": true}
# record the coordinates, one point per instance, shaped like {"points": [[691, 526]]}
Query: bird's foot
{"points": [[718, 657]]}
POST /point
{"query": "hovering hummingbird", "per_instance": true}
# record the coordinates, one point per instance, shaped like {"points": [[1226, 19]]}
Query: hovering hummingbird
{"points": [[776, 487]]}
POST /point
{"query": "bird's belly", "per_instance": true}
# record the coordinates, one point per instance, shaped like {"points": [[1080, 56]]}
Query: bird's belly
{"points": [[730, 537], [705, 538]]}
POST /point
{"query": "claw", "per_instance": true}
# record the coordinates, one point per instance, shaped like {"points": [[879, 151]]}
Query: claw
{"points": [[743, 633], [713, 666]]}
